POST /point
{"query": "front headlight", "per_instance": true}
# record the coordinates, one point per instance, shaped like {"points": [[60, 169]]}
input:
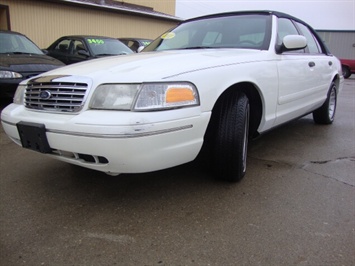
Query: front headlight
{"points": [[114, 96], [157, 96], [4, 74], [144, 97], [20, 94]]}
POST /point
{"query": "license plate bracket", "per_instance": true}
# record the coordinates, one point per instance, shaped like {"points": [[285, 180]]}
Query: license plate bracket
{"points": [[33, 136]]}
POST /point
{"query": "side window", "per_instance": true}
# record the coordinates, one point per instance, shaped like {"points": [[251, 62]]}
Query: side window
{"points": [[312, 44], [129, 43], [63, 46], [78, 45], [134, 45], [286, 27]]}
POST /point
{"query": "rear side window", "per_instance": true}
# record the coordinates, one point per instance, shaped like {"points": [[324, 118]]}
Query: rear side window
{"points": [[312, 43]]}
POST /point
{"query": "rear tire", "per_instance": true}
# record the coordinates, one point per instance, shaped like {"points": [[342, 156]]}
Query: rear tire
{"points": [[231, 137], [346, 72], [325, 114]]}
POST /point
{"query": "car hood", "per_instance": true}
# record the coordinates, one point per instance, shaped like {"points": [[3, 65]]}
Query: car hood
{"points": [[22, 62], [155, 66]]}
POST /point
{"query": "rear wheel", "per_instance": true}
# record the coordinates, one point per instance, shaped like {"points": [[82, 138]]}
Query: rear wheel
{"points": [[346, 72], [230, 145], [325, 114]]}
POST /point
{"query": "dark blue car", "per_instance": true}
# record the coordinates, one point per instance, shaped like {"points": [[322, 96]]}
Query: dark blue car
{"points": [[20, 59]]}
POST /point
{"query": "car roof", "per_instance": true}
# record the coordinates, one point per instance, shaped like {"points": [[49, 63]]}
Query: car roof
{"points": [[11, 32], [138, 39], [248, 12], [87, 36]]}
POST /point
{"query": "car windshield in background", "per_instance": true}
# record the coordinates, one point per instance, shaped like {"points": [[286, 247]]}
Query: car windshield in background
{"points": [[146, 42], [247, 31], [17, 44], [102, 47]]}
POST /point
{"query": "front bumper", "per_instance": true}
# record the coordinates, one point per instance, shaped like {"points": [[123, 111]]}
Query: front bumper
{"points": [[117, 142]]}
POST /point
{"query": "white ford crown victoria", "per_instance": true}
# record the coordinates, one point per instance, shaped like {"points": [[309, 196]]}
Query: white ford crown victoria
{"points": [[216, 80]]}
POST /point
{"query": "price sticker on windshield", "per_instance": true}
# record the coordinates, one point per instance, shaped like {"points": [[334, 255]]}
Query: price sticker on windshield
{"points": [[168, 35], [95, 41]]}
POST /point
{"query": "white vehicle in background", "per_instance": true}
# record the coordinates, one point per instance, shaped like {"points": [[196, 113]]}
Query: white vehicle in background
{"points": [[216, 80]]}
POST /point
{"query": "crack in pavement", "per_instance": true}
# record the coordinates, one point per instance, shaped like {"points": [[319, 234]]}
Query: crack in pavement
{"points": [[337, 169], [333, 169]]}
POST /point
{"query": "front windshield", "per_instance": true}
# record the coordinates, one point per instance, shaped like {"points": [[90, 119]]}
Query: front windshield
{"points": [[247, 31], [105, 47], [17, 44]]}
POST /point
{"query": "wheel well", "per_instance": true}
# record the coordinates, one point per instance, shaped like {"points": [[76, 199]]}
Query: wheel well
{"points": [[255, 103], [336, 81]]}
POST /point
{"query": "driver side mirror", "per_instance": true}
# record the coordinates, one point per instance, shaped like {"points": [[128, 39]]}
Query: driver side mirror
{"points": [[292, 43]]}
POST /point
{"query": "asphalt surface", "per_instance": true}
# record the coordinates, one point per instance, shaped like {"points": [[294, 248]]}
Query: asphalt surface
{"points": [[295, 206]]}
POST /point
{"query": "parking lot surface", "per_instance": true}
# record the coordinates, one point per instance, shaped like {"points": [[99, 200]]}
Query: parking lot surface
{"points": [[295, 206]]}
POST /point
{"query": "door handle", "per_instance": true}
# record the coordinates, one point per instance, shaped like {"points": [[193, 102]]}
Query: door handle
{"points": [[311, 64]]}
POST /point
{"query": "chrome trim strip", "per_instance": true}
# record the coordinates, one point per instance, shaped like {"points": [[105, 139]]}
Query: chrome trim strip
{"points": [[113, 136], [121, 136]]}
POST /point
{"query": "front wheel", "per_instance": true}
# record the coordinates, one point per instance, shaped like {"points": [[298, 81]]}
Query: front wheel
{"points": [[325, 114], [231, 137]]}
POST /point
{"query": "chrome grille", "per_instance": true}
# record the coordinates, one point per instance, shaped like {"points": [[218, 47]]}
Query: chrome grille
{"points": [[55, 96]]}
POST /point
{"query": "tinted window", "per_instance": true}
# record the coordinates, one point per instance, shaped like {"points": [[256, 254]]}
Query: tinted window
{"points": [[134, 45], [63, 46], [242, 31], [78, 46], [312, 44]]}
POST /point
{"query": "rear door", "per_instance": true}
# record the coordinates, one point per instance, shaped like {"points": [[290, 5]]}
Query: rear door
{"points": [[323, 62]]}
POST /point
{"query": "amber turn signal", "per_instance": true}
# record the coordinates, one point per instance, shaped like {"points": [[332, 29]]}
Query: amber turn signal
{"points": [[174, 95]]}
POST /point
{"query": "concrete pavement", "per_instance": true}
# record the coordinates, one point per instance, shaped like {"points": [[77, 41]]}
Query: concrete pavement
{"points": [[295, 206]]}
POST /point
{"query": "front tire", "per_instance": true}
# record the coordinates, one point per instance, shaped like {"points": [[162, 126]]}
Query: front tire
{"points": [[326, 113], [231, 137]]}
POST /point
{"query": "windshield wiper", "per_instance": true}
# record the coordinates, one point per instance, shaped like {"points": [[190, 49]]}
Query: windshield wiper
{"points": [[15, 53], [197, 47]]}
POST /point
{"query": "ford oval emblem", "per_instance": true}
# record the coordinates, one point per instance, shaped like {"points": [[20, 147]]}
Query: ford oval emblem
{"points": [[45, 95]]}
